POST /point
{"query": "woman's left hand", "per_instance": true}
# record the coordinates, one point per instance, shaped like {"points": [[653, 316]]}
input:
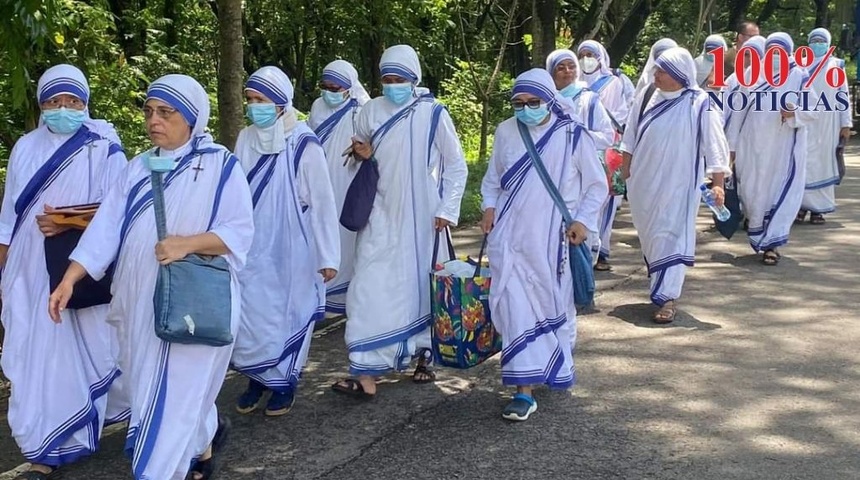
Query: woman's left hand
{"points": [[719, 195], [171, 249], [328, 274], [577, 233]]}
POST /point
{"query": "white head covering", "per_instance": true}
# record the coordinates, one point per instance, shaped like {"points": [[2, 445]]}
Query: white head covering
{"points": [[599, 53], [819, 35], [784, 41], [679, 64], [69, 80], [63, 79], [187, 96], [647, 77], [401, 60], [275, 85], [705, 61], [344, 74], [560, 55], [538, 82]]}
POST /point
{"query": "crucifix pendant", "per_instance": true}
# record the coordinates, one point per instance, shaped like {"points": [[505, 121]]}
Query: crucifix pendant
{"points": [[197, 169]]}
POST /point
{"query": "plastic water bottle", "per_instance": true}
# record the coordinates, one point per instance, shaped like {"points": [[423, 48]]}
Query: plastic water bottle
{"points": [[722, 212]]}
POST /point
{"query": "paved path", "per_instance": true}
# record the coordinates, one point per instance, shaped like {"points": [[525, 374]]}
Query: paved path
{"points": [[758, 378]]}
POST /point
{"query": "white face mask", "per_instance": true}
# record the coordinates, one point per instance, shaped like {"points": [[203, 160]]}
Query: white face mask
{"points": [[589, 64]]}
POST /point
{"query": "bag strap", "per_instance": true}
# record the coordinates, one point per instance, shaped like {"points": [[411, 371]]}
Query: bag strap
{"points": [[649, 92], [543, 174], [451, 253], [158, 204], [480, 257]]}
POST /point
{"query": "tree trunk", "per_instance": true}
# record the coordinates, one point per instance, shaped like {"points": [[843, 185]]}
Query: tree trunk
{"points": [[172, 37], [543, 30], [821, 17], [769, 9], [737, 12], [230, 71], [628, 31]]}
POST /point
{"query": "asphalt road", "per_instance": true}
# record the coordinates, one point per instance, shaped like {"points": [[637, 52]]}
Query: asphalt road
{"points": [[758, 378]]}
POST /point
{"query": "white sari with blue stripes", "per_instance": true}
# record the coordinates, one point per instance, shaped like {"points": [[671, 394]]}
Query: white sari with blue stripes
{"points": [[388, 302], [60, 373], [335, 128], [172, 387], [295, 236], [531, 295], [822, 172], [770, 163], [676, 142]]}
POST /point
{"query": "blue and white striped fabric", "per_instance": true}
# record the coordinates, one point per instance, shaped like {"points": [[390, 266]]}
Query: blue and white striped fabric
{"points": [[273, 83], [185, 95], [402, 61], [63, 79]]}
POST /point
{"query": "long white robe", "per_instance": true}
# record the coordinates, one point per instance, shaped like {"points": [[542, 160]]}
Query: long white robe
{"points": [[335, 128], [295, 236], [822, 173], [531, 294], [388, 303], [172, 386], [593, 115], [613, 98], [674, 145], [770, 163], [60, 374]]}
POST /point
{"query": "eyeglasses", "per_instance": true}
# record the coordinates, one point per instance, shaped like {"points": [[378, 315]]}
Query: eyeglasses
{"points": [[329, 88], [534, 104], [56, 102], [163, 112]]}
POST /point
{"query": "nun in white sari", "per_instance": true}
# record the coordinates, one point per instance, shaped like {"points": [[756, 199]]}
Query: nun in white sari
{"points": [[670, 149], [174, 423], [60, 374], [705, 63], [755, 43], [564, 67], [332, 118], [296, 247], [531, 295], [770, 157], [646, 79], [422, 177], [825, 132]]}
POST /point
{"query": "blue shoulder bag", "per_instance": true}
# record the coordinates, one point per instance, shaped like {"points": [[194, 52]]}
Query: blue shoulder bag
{"points": [[580, 255], [192, 296]]}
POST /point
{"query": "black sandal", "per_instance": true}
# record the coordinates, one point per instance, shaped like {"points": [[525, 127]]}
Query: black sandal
{"points": [[816, 219], [207, 468], [353, 388], [801, 216], [422, 374], [770, 257]]}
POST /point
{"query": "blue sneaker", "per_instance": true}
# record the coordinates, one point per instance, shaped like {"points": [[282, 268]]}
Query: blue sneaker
{"points": [[247, 403], [280, 403], [520, 408]]}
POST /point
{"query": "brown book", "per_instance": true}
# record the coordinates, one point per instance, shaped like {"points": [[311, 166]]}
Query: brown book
{"points": [[78, 216]]}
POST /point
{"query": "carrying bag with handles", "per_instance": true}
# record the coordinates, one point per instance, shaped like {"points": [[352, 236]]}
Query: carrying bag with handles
{"points": [[580, 255], [463, 334], [192, 296]]}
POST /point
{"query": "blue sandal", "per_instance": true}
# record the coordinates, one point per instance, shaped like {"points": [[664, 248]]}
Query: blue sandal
{"points": [[520, 408], [280, 403]]}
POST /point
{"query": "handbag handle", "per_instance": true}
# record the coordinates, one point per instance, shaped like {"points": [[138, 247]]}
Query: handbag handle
{"points": [[451, 253], [480, 257]]}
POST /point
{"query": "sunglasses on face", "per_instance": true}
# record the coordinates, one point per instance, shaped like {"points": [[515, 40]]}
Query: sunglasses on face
{"points": [[520, 104]]}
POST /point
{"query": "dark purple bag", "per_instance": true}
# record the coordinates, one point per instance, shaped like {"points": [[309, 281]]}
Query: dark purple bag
{"points": [[360, 196]]}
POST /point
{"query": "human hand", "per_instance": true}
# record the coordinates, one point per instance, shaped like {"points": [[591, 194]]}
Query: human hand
{"points": [[46, 223], [328, 274], [845, 133], [441, 224], [577, 233], [362, 151], [59, 299], [171, 249], [488, 221], [719, 195]]}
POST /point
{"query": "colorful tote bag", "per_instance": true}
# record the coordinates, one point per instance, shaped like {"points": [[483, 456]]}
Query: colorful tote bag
{"points": [[463, 334]]}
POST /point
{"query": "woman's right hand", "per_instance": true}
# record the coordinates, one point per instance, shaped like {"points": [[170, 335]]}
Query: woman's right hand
{"points": [[59, 299], [488, 221], [362, 151]]}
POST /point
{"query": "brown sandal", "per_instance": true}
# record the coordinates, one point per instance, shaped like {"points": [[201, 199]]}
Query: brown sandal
{"points": [[770, 258], [666, 313]]}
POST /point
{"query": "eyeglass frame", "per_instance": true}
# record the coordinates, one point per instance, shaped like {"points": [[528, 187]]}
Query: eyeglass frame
{"points": [[55, 103], [163, 112], [534, 104]]}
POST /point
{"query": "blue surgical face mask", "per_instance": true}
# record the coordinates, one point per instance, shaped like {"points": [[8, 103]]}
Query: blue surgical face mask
{"points": [[159, 164], [262, 115], [532, 116], [819, 48], [64, 120], [570, 91], [333, 99], [399, 93]]}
